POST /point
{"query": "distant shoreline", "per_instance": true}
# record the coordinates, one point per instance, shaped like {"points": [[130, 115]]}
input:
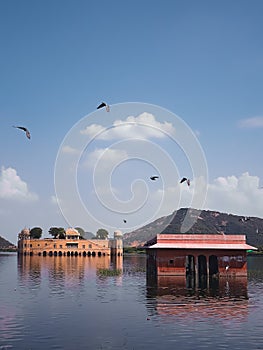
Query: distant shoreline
{"points": [[11, 250]]}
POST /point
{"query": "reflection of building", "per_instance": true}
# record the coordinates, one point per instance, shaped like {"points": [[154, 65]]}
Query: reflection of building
{"points": [[223, 299], [195, 257], [72, 245], [60, 272]]}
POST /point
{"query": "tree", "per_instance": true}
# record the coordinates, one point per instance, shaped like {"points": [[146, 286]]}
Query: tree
{"points": [[36, 232], [80, 231], [102, 234], [57, 232]]}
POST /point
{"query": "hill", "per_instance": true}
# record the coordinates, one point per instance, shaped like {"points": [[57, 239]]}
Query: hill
{"points": [[6, 245], [207, 222], [89, 235]]}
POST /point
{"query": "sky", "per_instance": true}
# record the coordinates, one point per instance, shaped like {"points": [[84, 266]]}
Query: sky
{"points": [[184, 83]]}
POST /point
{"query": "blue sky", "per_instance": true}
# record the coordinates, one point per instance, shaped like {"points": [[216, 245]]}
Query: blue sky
{"points": [[201, 60]]}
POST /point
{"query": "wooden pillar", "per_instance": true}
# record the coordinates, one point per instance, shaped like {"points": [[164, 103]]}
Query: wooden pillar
{"points": [[207, 264], [196, 269]]}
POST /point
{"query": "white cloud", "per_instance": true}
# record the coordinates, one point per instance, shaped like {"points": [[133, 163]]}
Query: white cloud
{"points": [[255, 122], [144, 126], [69, 150], [92, 130], [236, 195], [105, 158], [12, 187]]}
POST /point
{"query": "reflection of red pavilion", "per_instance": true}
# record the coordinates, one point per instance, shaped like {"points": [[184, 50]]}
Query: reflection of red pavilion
{"points": [[209, 309], [197, 255], [197, 276]]}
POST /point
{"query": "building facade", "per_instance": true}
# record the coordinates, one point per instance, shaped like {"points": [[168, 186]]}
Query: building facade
{"points": [[197, 256], [72, 245]]}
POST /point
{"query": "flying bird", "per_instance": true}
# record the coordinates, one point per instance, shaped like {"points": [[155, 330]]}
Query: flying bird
{"points": [[154, 178], [124, 221], [24, 129], [103, 104], [185, 179], [227, 267]]}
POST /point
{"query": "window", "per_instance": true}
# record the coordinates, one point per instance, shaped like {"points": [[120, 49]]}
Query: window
{"points": [[171, 261], [83, 246], [72, 245], [55, 246], [90, 245], [60, 246]]}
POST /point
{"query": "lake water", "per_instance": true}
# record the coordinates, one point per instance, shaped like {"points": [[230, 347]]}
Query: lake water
{"points": [[65, 303]]}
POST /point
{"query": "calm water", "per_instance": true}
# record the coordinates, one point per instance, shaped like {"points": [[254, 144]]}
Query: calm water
{"points": [[64, 303]]}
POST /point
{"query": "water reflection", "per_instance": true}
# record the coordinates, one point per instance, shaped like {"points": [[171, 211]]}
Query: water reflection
{"points": [[129, 311], [177, 295], [62, 272]]}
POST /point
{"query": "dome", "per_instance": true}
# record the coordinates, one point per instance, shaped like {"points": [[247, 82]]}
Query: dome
{"points": [[117, 234], [25, 232], [72, 232]]}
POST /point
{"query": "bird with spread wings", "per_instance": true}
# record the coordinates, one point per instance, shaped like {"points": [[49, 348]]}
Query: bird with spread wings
{"points": [[185, 179], [102, 105], [24, 129]]}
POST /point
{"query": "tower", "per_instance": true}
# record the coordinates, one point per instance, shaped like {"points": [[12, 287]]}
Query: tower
{"points": [[117, 244]]}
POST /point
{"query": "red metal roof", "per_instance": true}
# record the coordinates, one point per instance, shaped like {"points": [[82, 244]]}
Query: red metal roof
{"points": [[183, 245], [199, 241]]}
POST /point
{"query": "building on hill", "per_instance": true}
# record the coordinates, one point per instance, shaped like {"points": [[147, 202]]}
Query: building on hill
{"points": [[195, 256], [72, 245]]}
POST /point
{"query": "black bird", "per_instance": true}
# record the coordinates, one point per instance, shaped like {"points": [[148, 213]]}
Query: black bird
{"points": [[124, 221], [103, 104], [154, 178], [24, 129], [185, 179]]}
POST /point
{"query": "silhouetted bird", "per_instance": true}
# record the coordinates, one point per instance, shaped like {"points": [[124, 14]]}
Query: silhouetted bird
{"points": [[124, 221], [185, 179], [24, 129], [154, 178], [103, 104]]}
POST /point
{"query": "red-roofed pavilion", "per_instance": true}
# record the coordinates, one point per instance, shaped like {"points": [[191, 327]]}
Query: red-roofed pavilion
{"points": [[197, 255]]}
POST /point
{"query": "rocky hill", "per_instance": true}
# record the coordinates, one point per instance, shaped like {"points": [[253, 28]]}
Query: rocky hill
{"points": [[206, 221], [6, 245]]}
